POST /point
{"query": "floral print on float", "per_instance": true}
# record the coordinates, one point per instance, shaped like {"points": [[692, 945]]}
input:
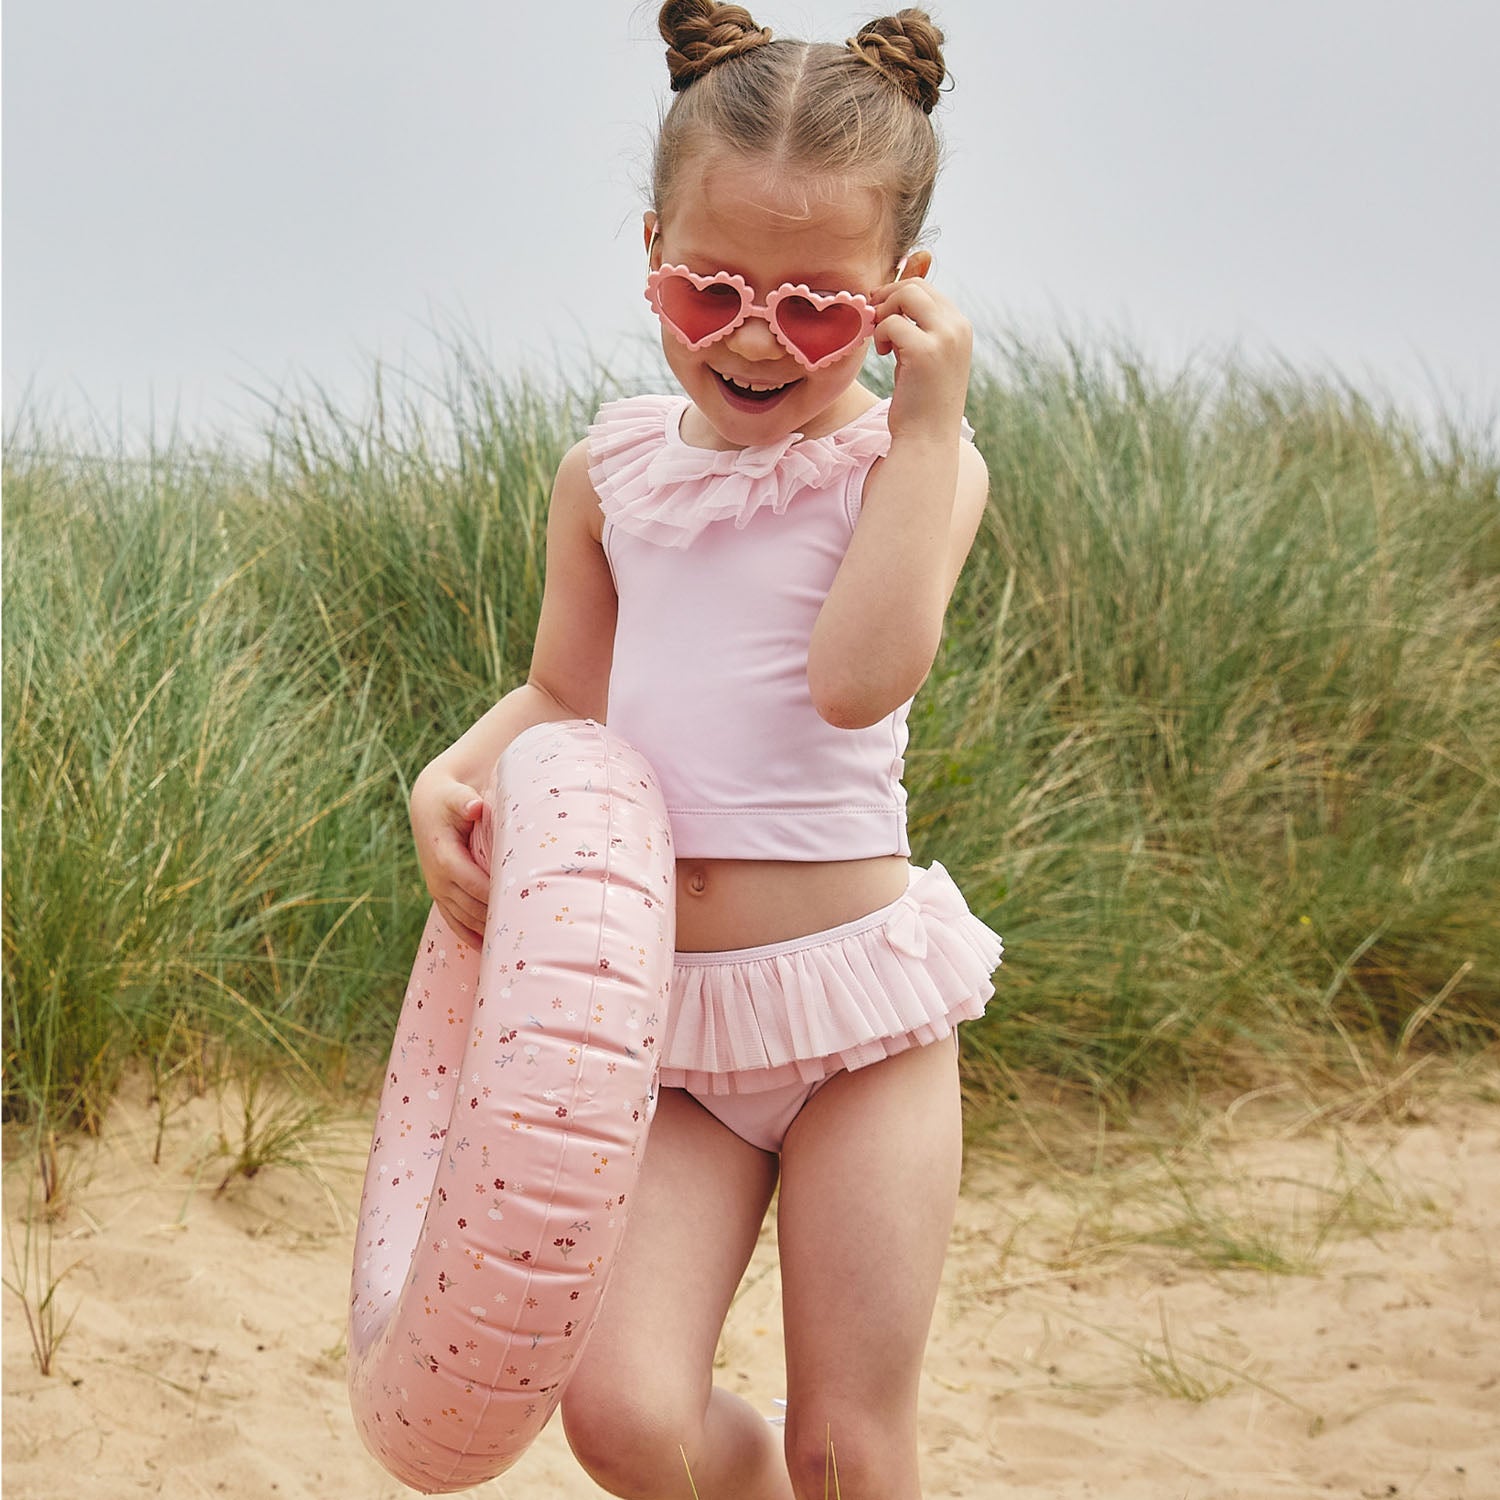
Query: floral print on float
{"points": [[513, 1114]]}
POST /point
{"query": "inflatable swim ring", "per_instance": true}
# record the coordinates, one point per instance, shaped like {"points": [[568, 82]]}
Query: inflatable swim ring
{"points": [[512, 1115]]}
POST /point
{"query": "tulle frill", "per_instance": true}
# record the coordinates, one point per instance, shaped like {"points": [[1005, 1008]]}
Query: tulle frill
{"points": [[654, 486], [761, 1018]]}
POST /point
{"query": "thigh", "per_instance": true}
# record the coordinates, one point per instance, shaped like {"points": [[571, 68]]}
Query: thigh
{"points": [[696, 1212], [869, 1185]]}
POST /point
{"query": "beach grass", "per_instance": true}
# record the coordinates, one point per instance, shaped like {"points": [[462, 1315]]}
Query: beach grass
{"points": [[1213, 738]]}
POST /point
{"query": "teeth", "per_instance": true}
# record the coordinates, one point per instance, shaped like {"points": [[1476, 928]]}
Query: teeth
{"points": [[754, 385]]}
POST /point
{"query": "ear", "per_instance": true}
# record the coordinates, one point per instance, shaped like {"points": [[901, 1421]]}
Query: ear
{"points": [[650, 230], [918, 264]]}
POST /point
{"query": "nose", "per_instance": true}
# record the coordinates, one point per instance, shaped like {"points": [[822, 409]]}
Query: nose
{"points": [[753, 339]]}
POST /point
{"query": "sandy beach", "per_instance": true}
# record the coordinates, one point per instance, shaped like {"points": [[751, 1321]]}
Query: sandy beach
{"points": [[1287, 1298]]}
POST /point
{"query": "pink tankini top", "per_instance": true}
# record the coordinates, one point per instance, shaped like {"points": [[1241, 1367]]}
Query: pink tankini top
{"points": [[721, 562]]}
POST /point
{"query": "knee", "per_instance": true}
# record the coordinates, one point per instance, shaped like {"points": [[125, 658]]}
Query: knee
{"points": [[627, 1446], [849, 1453]]}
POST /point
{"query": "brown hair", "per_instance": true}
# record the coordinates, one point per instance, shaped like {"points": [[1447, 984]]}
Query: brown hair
{"points": [[812, 108]]}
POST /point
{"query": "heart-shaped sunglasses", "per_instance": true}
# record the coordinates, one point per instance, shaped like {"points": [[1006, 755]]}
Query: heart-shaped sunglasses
{"points": [[815, 328]]}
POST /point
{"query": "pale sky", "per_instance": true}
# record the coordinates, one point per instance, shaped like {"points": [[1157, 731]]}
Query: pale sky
{"points": [[207, 200]]}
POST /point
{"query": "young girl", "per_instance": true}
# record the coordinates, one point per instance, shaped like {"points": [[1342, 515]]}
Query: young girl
{"points": [[747, 583]]}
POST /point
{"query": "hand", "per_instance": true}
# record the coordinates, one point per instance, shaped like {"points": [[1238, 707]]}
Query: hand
{"points": [[443, 815], [933, 343]]}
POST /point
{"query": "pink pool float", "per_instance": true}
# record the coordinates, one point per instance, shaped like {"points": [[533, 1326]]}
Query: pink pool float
{"points": [[513, 1115]]}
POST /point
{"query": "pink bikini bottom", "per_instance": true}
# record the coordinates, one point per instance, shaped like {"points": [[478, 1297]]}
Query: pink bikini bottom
{"points": [[777, 1021]]}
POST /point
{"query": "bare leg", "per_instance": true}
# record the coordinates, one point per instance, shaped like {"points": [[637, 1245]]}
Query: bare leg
{"points": [[643, 1396], [870, 1172]]}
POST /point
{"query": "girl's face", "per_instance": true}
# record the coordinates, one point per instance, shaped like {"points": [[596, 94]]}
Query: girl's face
{"points": [[727, 214]]}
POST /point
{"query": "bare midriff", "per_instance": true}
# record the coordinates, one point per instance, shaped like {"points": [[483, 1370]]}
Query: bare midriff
{"points": [[743, 903]]}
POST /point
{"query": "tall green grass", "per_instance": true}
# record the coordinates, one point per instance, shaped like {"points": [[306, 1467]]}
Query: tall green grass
{"points": [[1213, 738]]}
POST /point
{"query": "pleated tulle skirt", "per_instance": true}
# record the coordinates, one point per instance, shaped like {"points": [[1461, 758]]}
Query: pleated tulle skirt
{"points": [[750, 1019]]}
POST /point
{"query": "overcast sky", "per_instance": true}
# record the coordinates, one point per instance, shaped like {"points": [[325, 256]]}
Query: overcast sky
{"points": [[203, 201]]}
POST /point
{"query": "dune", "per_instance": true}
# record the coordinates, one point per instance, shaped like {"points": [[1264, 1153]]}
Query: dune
{"points": [[1288, 1300]]}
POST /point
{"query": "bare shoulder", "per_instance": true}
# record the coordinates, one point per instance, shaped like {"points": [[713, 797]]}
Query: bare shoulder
{"points": [[969, 501], [575, 633], [573, 490], [973, 479]]}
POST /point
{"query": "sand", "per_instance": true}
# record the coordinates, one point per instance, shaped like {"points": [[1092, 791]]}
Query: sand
{"points": [[1288, 1300]]}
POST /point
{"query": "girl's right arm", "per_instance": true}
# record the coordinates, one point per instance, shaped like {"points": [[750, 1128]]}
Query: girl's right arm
{"points": [[569, 679]]}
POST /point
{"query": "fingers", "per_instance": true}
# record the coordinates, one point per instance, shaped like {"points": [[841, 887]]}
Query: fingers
{"points": [[444, 816], [911, 315], [933, 343], [461, 928], [467, 886], [465, 914], [462, 891]]}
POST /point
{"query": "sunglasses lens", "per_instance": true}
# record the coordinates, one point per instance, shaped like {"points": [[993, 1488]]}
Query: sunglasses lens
{"points": [[698, 312], [818, 331]]}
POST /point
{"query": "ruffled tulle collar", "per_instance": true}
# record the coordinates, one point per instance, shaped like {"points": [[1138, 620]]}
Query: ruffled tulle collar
{"points": [[653, 485]]}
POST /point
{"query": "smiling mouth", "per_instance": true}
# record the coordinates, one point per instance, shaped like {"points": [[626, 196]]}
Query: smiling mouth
{"points": [[754, 392]]}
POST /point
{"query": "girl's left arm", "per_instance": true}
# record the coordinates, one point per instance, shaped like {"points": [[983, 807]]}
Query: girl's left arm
{"points": [[879, 628]]}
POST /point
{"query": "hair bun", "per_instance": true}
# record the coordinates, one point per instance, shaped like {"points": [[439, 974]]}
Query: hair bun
{"points": [[700, 35], [907, 49]]}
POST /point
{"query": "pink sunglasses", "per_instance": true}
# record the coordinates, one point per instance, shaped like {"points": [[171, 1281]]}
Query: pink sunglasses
{"points": [[815, 328]]}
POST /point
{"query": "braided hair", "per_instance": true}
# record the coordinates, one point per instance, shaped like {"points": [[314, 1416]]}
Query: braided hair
{"points": [[859, 111]]}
